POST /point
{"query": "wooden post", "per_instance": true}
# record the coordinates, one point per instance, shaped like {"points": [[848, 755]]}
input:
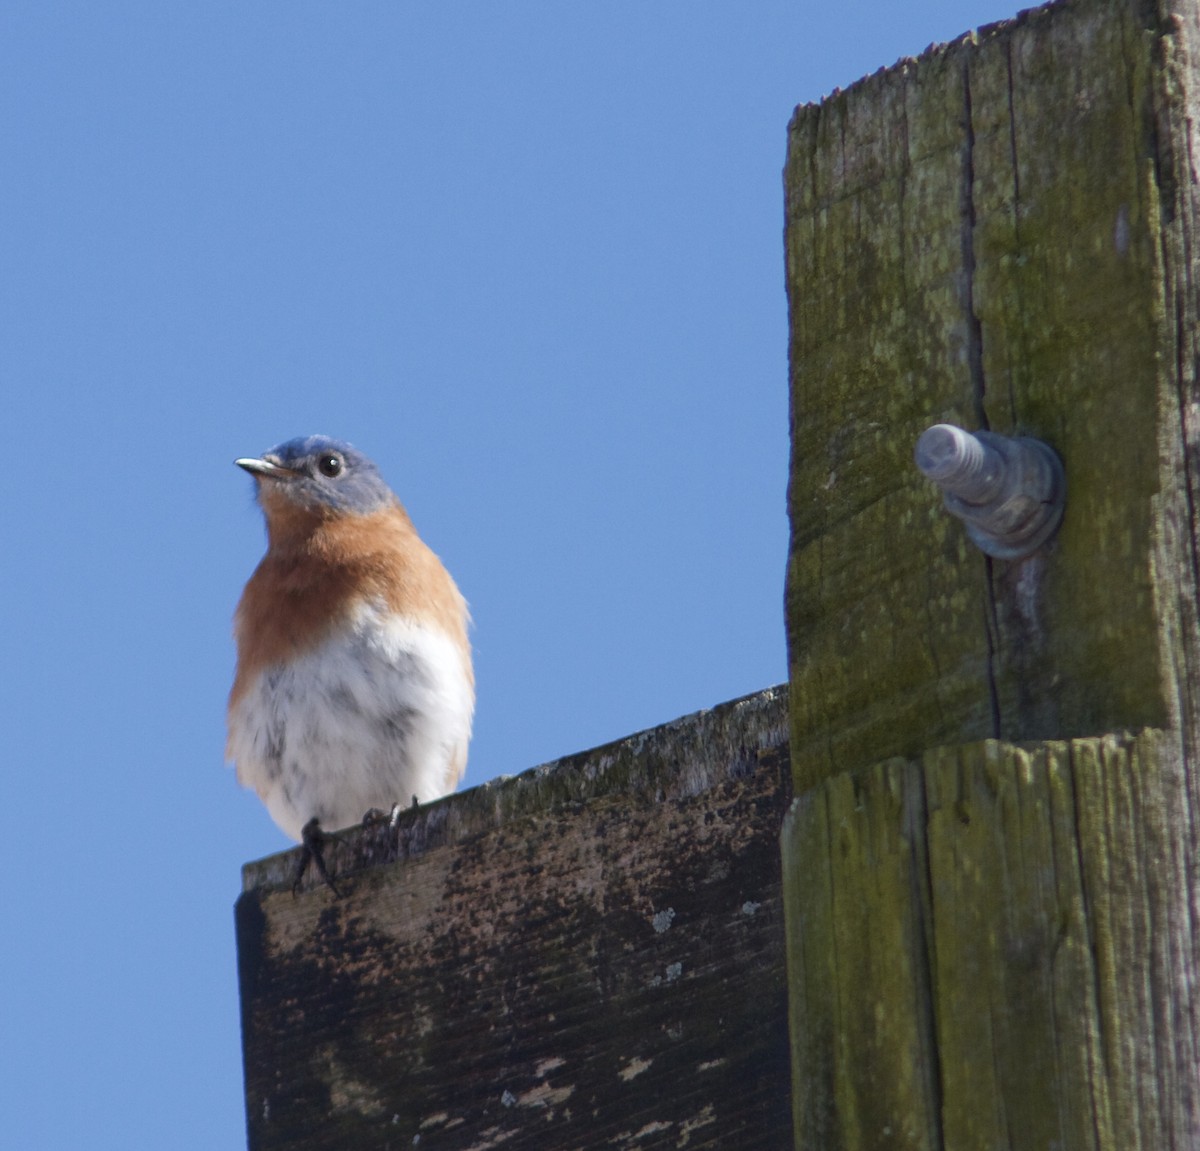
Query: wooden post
{"points": [[586, 955], [991, 869]]}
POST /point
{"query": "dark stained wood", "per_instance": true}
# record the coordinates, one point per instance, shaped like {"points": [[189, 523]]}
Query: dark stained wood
{"points": [[589, 954]]}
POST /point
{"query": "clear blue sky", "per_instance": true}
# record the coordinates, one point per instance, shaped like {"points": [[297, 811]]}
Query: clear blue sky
{"points": [[528, 257]]}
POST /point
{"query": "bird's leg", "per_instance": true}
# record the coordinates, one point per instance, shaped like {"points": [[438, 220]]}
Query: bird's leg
{"points": [[312, 850]]}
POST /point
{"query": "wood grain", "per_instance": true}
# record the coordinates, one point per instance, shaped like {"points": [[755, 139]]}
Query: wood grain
{"points": [[989, 236], [989, 947], [590, 954], [991, 867]]}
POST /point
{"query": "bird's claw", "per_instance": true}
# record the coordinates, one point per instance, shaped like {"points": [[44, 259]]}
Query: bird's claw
{"points": [[312, 850]]}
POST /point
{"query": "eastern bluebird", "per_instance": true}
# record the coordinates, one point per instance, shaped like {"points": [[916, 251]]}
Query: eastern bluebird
{"points": [[354, 688]]}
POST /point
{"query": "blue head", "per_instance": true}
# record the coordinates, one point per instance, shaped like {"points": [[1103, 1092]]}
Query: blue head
{"points": [[320, 473]]}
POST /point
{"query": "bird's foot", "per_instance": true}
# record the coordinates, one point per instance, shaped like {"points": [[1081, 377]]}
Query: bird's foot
{"points": [[378, 843], [312, 851], [377, 818]]}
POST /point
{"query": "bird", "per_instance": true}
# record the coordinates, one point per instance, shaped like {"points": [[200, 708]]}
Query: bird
{"points": [[354, 688]]}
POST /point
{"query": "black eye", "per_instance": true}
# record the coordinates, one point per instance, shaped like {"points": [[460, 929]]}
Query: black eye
{"points": [[331, 464]]}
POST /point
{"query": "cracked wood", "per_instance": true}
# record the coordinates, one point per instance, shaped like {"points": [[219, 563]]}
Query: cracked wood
{"points": [[981, 237], [993, 942]]}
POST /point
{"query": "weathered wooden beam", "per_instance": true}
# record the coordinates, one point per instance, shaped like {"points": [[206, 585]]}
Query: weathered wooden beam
{"points": [[991, 866], [588, 954], [987, 945]]}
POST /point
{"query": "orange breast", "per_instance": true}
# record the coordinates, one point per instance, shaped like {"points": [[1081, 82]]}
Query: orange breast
{"points": [[317, 569]]}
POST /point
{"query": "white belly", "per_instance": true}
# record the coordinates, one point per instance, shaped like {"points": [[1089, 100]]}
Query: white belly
{"points": [[377, 715]]}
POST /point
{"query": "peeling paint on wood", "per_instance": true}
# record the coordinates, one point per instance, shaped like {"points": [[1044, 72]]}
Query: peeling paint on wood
{"points": [[589, 954]]}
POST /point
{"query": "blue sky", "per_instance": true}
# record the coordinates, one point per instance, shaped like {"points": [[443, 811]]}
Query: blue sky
{"points": [[529, 258]]}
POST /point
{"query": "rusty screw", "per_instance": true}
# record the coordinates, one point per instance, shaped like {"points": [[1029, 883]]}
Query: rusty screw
{"points": [[1009, 490]]}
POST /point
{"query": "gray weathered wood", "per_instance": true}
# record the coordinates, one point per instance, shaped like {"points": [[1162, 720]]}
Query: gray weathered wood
{"points": [[588, 954]]}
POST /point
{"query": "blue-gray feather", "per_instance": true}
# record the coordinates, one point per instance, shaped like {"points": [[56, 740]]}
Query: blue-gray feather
{"points": [[358, 489]]}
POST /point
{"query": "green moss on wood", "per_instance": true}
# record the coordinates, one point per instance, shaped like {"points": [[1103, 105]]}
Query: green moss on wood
{"points": [[973, 943], [1000, 234], [975, 237]]}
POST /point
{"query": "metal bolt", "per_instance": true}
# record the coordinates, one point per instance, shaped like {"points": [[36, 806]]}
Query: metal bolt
{"points": [[1010, 491]]}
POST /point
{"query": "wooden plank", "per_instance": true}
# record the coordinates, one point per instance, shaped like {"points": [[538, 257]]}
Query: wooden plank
{"points": [[991, 236], [1000, 234], [589, 954], [1015, 990], [864, 1070], [885, 600], [988, 948], [1068, 291]]}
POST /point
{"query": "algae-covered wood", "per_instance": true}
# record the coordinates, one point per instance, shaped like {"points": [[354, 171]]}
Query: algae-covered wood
{"points": [[864, 1066], [985, 939], [587, 955], [988, 236], [994, 943]]}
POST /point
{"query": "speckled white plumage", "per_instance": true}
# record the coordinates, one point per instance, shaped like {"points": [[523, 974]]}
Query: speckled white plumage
{"points": [[378, 713]]}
